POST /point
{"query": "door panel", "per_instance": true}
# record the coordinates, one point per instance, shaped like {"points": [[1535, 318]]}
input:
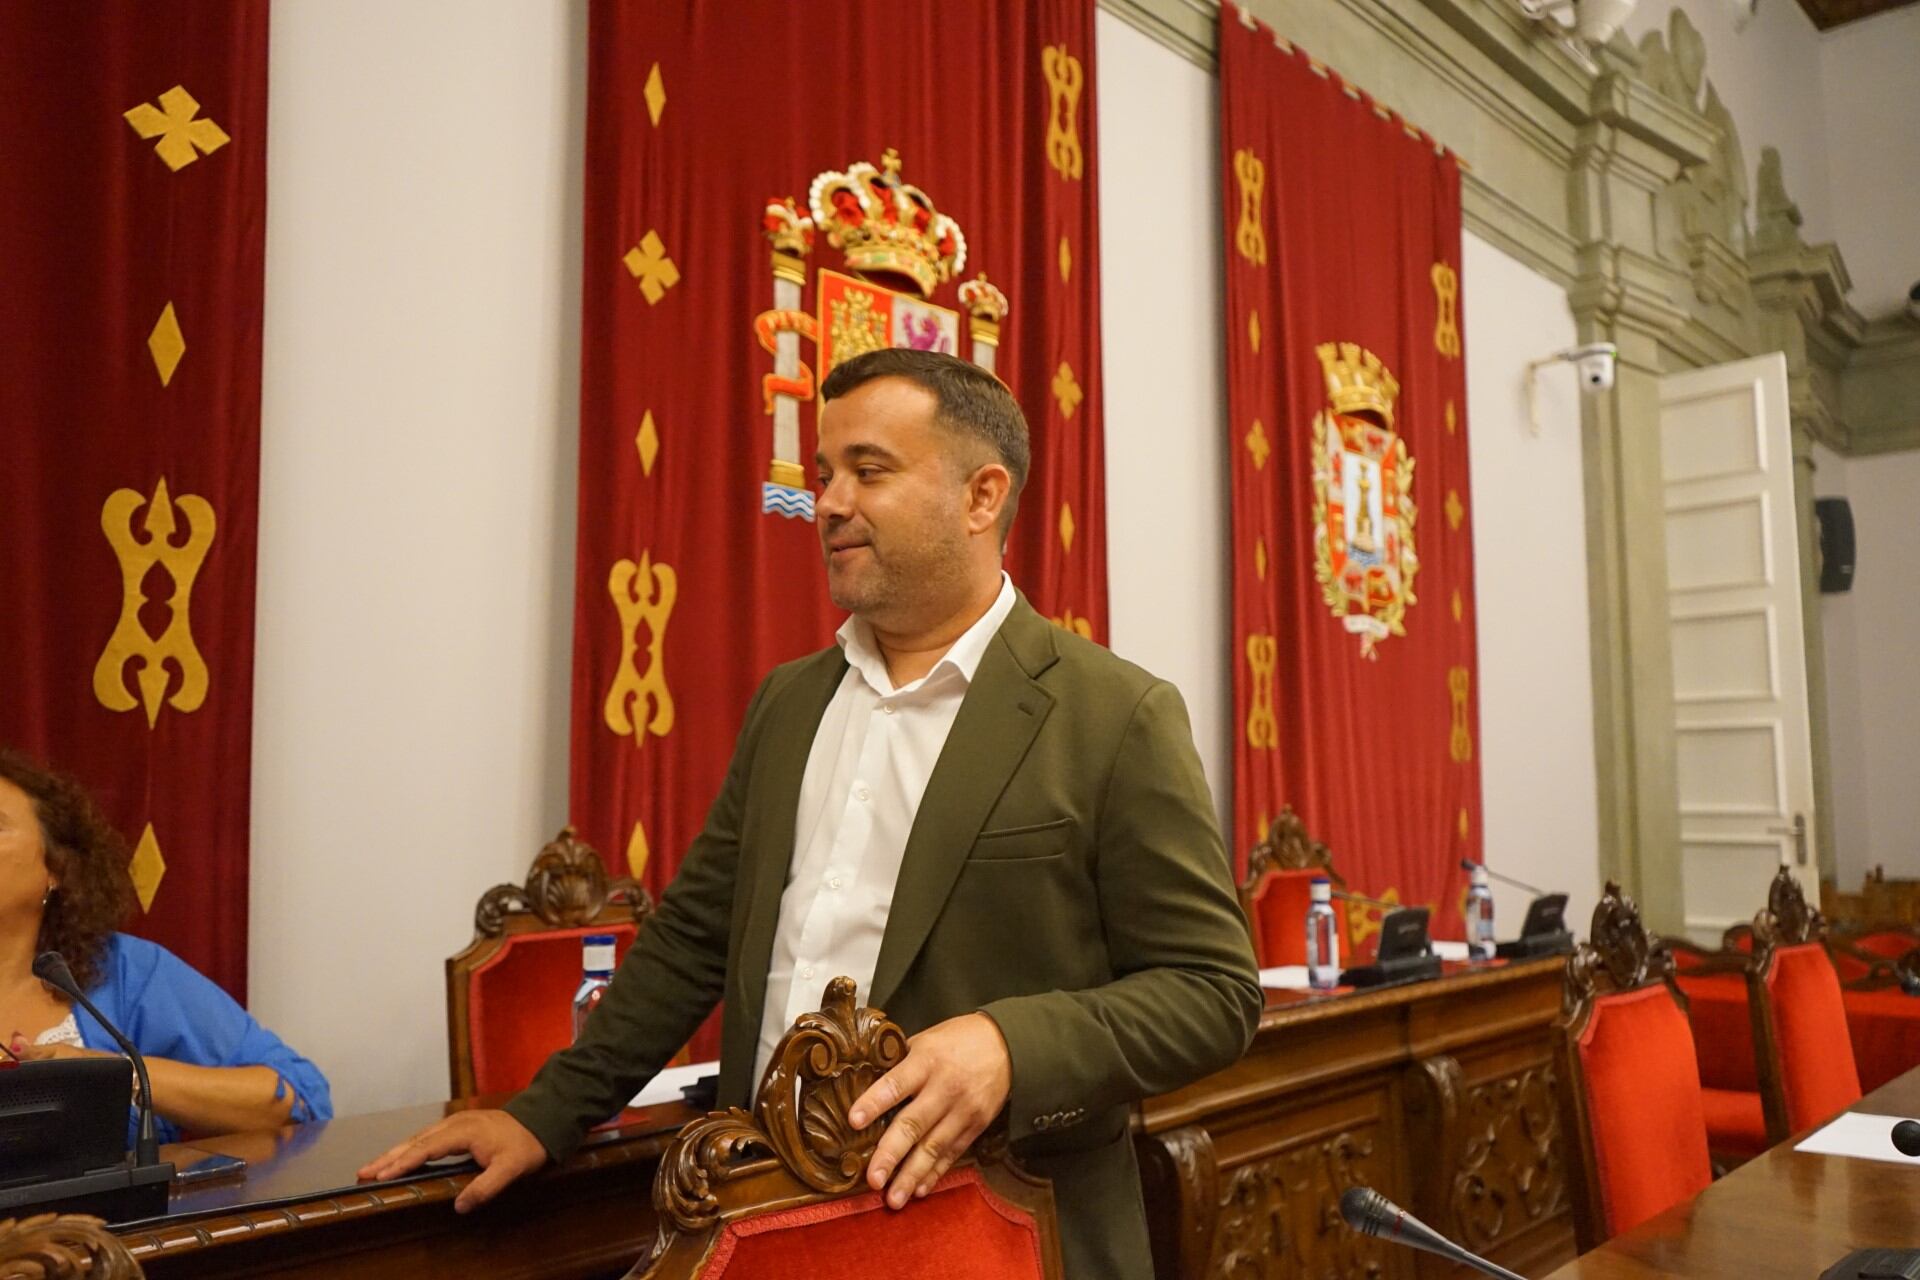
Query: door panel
{"points": [[1743, 753]]}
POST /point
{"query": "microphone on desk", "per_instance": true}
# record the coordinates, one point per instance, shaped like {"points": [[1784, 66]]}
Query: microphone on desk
{"points": [[1469, 865], [51, 968], [1348, 895], [1906, 1138], [1372, 1214]]}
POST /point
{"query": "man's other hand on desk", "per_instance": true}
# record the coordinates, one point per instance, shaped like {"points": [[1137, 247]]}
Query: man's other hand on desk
{"points": [[499, 1144], [958, 1074]]}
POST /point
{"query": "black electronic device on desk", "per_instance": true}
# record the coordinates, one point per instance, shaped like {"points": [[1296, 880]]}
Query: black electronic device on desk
{"points": [[1543, 933], [1876, 1264], [1404, 955], [63, 1128]]}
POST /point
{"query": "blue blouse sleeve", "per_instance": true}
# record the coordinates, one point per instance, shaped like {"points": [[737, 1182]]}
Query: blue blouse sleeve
{"points": [[171, 1010]]}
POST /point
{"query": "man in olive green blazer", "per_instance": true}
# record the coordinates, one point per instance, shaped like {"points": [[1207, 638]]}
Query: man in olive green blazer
{"points": [[1064, 877]]}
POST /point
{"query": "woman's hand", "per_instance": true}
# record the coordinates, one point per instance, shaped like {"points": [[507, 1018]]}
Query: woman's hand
{"points": [[48, 1052]]}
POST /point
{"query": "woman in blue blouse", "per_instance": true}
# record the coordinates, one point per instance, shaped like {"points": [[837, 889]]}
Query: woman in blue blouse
{"points": [[64, 887]]}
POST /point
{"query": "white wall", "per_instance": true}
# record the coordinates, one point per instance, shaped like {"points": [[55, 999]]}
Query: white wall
{"points": [[416, 521], [1165, 365], [1538, 786], [1874, 718], [1871, 75]]}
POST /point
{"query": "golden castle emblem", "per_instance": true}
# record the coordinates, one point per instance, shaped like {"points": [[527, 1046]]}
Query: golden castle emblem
{"points": [[898, 251], [1363, 510]]}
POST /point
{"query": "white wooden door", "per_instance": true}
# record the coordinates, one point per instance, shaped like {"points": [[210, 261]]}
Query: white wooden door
{"points": [[1743, 748]]}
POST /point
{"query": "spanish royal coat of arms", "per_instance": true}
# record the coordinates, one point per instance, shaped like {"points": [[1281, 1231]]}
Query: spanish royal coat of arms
{"points": [[1362, 498], [898, 250]]}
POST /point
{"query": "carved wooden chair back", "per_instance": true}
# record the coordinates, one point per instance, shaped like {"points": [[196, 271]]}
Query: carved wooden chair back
{"points": [[510, 990], [1275, 891], [1630, 1100], [1875, 955], [1802, 1048], [52, 1246], [771, 1194]]}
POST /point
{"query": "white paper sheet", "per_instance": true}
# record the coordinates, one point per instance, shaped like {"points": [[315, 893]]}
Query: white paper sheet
{"points": [[1858, 1135], [666, 1086], [1287, 977], [1448, 950]]}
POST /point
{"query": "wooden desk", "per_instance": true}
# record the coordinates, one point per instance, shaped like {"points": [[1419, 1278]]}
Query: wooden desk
{"points": [[299, 1210], [1441, 1095], [1781, 1214]]}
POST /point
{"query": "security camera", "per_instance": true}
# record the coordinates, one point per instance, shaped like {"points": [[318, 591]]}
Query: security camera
{"points": [[1593, 21], [1593, 360]]}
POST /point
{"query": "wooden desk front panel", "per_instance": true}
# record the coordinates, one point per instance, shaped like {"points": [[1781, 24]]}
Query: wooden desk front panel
{"points": [[1442, 1096]]}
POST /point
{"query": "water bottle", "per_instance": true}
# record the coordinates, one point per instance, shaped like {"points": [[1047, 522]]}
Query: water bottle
{"points": [[1323, 939], [1479, 917], [596, 963]]}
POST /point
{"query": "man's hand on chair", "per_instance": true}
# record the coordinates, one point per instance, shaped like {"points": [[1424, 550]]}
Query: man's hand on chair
{"points": [[958, 1075], [502, 1147]]}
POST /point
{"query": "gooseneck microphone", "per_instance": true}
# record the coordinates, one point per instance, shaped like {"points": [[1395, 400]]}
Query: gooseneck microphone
{"points": [[51, 968], [1348, 895], [1372, 1214], [1906, 1138], [1468, 864]]}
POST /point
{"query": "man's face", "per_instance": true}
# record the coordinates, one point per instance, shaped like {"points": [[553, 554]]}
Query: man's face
{"points": [[892, 510]]}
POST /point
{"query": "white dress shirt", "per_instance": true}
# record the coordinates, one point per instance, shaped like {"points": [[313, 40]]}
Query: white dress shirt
{"points": [[871, 758]]}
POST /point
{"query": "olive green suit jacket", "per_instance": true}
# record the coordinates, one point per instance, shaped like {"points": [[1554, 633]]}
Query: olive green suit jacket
{"points": [[1064, 875]]}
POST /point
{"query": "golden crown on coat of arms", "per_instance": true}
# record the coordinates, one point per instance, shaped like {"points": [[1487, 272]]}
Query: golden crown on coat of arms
{"points": [[886, 226], [1357, 382]]}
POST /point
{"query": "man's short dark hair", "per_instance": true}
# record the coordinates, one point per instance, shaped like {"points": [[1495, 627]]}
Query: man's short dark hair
{"points": [[969, 401]]}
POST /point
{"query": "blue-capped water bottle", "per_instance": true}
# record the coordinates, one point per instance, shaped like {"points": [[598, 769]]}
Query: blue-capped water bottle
{"points": [[596, 962], [1323, 939], [1480, 944]]}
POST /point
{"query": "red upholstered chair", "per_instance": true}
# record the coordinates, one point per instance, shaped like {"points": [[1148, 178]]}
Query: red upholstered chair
{"points": [[783, 1193], [1274, 895], [510, 992], [1871, 959], [1632, 1100], [1716, 984], [1804, 1052]]}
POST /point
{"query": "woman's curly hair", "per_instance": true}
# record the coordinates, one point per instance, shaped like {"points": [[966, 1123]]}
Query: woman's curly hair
{"points": [[88, 858]]}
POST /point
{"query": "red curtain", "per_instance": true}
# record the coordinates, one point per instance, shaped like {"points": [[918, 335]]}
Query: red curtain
{"points": [[698, 565], [1353, 586], [133, 207]]}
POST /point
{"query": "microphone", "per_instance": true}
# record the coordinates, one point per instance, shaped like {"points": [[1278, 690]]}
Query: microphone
{"points": [[1468, 864], [51, 968], [1906, 1138], [1372, 1214], [1348, 895]]}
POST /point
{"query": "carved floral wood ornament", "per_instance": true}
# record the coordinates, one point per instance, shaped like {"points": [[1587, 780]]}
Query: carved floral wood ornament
{"points": [[62, 1247], [566, 887], [800, 1121]]}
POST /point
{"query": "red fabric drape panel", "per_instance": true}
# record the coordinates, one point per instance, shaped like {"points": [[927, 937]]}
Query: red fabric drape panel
{"points": [[698, 115], [1353, 593], [130, 398]]}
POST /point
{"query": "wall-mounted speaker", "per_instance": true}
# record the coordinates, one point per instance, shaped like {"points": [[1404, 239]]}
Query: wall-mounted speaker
{"points": [[1835, 516]]}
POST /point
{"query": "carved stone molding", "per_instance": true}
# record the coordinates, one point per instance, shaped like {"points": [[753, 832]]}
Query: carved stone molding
{"points": [[800, 1121], [1500, 1138], [566, 887], [53, 1246], [1280, 1216]]}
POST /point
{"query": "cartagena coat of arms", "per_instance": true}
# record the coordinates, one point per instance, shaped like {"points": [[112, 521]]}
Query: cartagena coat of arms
{"points": [[898, 251], [1363, 507]]}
